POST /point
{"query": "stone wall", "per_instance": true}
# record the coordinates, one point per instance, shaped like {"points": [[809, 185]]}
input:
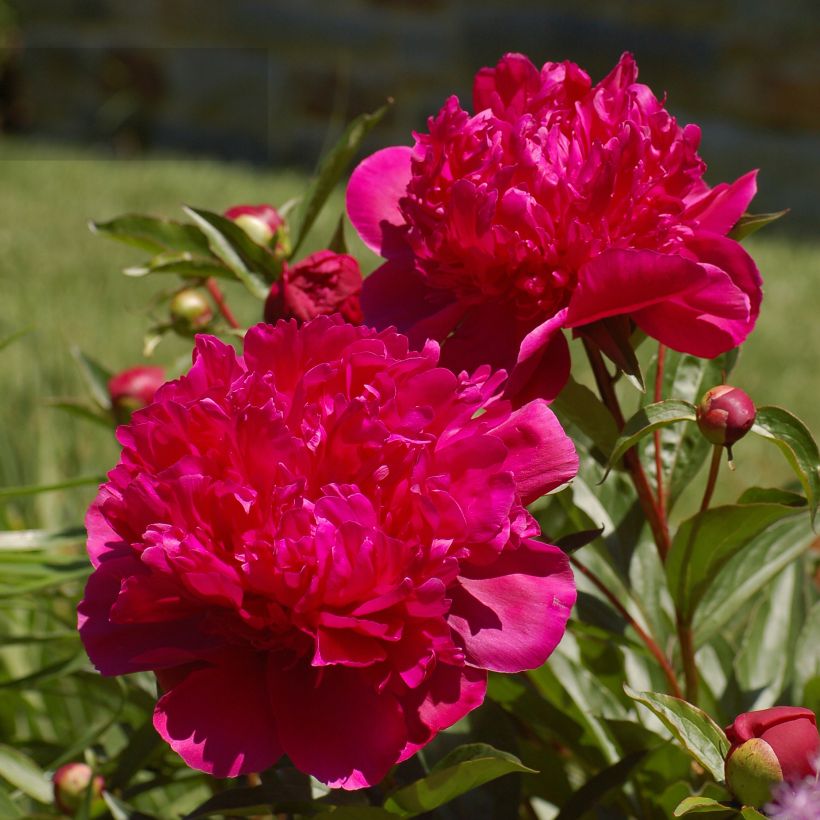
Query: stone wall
{"points": [[273, 80]]}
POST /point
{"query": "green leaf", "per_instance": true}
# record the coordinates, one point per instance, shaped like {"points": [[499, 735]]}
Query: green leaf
{"points": [[24, 774], [8, 808], [704, 543], [13, 337], [36, 489], [95, 376], [771, 495], [646, 420], [751, 223], [700, 805], [152, 234], [577, 404], [464, 769], [797, 444], [251, 264], [613, 336], [751, 813], [807, 654], [330, 171], [182, 264], [749, 572], [691, 727], [338, 243], [82, 410], [251, 800], [592, 793], [40, 539], [575, 540]]}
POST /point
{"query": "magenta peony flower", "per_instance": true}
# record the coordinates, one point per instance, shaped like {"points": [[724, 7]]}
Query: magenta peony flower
{"points": [[321, 548], [557, 204], [324, 282]]}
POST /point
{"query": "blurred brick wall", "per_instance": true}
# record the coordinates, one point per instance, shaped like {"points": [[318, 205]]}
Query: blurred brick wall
{"points": [[272, 80]]}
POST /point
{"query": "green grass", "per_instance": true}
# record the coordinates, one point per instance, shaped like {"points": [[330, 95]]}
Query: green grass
{"points": [[65, 284]]}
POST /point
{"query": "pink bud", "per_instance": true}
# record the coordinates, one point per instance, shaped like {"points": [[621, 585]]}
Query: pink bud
{"points": [[70, 785], [260, 222], [134, 388], [725, 414]]}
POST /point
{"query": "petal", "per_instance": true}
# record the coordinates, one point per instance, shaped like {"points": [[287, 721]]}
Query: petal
{"points": [[722, 206], [373, 193], [623, 281], [102, 538], [395, 295], [120, 648], [543, 364], [218, 719], [485, 335], [512, 613], [334, 725], [446, 696], [541, 455]]}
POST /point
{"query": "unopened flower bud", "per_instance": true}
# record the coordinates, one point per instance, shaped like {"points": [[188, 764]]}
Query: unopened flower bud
{"points": [[725, 414], [260, 222], [71, 783], [767, 747], [190, 311], [132, 389]]}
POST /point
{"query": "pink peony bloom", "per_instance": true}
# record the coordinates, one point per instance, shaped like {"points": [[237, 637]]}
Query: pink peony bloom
{"points": [[557, 204], [324, 282], [321, 547]]}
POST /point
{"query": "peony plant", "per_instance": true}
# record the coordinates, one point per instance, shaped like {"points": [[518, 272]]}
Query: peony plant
{"points": [[384, 549]]}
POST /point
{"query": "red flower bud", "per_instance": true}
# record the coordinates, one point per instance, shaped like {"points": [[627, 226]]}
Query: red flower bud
{"points": [[70, 785], [132, 389], [190, 311], [260, 222], [769, 746], [725, 414], [325, 282]]}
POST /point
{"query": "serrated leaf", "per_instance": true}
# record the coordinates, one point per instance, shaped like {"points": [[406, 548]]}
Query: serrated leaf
{"points": [[330, 170], [464, 769], [751, 223], [577, 404], [597, 787], [95, 376], [251, 264], [795, 442], [697, 733], [750, 571], [152, 234], [700, 805], [705, 543], [646, 420], [24, 774]]}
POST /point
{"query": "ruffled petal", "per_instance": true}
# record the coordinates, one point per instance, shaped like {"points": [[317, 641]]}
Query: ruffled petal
{"points": [[334, 724], [373, 193], [722, 206], [623, 281], [541, 455], [218, 719], [511, 614], [120, 648]]}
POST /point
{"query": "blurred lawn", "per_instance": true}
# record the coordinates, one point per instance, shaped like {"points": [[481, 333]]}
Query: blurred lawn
{"points": [[65, 284]]}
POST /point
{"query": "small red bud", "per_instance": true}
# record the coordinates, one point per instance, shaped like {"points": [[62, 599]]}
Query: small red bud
{"points": [[132, 389], [190, 311], [70, 785], [725, 414]]}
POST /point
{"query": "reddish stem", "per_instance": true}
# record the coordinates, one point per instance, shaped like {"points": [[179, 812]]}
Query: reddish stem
{"points": [[648, 640], [632, 462], [219, 300], [658, 460]]}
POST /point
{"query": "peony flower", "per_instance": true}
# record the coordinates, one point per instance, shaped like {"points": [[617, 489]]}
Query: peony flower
{"points": [[557, 204], [324, 282], [321, 548]]}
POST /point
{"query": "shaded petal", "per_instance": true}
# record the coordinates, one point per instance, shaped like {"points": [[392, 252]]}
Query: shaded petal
{"points": [[218, 719], [722, 206], [102, 538], [373, 193], [443, 699], [395, 295], [485, 335], [622, 281], [120, 648], [541, 455], [511, 614], [334, 725], [543, 364]]}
